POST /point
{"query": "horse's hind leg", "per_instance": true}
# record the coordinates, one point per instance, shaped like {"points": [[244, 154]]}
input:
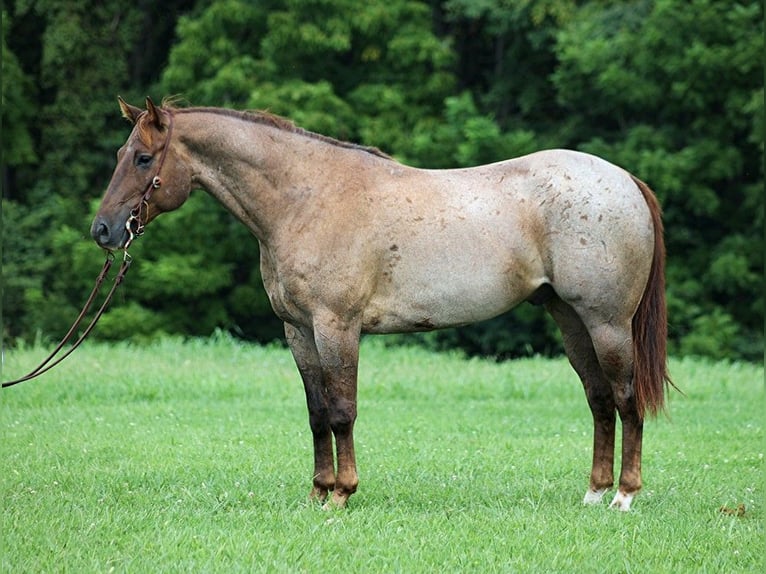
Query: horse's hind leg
{"points": [[583, 358], [614, 347]]}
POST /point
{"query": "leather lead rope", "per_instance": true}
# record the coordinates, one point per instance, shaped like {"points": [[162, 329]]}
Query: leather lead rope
{"points": [[135, 218], [46, 364]]}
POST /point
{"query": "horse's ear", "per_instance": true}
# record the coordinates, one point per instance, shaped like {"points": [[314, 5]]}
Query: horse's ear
{"points": [[155, 114], [129, 112]]}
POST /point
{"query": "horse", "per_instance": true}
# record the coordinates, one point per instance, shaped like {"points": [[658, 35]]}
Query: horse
{"points": [[352, 242]]}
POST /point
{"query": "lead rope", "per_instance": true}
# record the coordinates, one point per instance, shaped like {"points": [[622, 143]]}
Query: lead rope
{"points": [[46, 364], [134, 218]]}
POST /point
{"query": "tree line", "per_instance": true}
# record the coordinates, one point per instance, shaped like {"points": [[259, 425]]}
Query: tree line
{"points": [[671, 90]]}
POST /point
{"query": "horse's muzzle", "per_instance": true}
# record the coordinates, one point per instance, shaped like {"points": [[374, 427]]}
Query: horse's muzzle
{"points": [[108, 235]]}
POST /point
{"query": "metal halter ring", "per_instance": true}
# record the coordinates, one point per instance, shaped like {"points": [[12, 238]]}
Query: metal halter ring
{"points": [[131, 235], [135, 217]]}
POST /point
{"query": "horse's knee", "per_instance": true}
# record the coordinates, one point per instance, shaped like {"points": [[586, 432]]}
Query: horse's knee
{"points": [[342, 415], [319, 421]]}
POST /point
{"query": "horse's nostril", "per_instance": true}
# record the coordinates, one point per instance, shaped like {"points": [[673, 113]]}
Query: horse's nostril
{"points": [[100, 232]]}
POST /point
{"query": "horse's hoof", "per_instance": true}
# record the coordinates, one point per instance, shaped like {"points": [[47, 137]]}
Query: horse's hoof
{"points": [[336, 501], [318, 494], [594, 496], [622, 501]]}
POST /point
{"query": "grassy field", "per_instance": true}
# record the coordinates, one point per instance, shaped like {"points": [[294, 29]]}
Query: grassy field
{"points": [[196, 457]]}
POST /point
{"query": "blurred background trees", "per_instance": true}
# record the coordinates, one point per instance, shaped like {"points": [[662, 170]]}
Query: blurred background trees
{"points": [[672, 90]]}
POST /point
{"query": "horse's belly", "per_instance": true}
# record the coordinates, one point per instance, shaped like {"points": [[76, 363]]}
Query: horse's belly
{"points": [[458, 293]]}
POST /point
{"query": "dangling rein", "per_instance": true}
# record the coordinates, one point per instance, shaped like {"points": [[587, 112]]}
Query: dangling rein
{"points": [[47, 365], [135, 227]]}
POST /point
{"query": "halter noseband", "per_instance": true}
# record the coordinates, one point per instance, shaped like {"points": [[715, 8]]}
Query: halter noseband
{"points": [[155, 183]]}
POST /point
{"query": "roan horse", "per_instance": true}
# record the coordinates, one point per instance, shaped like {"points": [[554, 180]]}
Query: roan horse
{"points": [[353, 242]]}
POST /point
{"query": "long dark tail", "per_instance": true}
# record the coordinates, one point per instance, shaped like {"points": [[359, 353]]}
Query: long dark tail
{"points": [[650, 324]]}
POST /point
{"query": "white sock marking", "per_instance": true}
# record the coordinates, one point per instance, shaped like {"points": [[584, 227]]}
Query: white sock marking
{"points": [[622, 501], [594, 496]]}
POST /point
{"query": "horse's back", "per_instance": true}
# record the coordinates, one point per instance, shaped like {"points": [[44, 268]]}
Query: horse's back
{"points": [[466, 244]]}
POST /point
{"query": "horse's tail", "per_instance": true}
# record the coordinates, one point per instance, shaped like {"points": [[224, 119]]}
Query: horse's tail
{"points": [[650, 323]]}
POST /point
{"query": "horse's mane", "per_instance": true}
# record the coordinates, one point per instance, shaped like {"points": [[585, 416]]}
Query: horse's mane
{"points": [[274, 121]]}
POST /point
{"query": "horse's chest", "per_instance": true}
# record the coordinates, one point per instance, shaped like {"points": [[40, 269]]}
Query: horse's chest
{"points": [[295, 286], [270, 275], [283, 295]]}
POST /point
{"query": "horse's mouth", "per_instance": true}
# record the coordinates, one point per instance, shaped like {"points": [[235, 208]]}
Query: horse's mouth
{"points": [[107, 236]]}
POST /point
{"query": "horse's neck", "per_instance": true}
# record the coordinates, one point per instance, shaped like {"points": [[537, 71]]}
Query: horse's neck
{"points": [[250, 167]]}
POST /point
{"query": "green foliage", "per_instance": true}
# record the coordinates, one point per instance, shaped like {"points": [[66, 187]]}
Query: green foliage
{"points": [[680, 104], [76, 55], [16, 109], [671, 91], [466, 137], [349, 70]]}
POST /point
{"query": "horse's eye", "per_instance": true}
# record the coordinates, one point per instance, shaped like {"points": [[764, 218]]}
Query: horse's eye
{"points": [[143, 160]]}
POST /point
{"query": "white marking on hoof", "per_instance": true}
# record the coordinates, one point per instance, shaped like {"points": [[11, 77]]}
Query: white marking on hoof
{"points": [[594, 496], [336, 501], [622, 501]]}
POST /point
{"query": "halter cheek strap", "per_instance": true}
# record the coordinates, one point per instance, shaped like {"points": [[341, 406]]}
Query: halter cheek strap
{"points": [[135, 223]]}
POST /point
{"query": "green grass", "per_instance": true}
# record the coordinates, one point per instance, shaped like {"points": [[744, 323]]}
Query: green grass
{"points": [[196, 457]]}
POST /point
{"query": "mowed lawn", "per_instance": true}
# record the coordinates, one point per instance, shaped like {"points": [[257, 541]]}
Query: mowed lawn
{"points": [[196, 457]]}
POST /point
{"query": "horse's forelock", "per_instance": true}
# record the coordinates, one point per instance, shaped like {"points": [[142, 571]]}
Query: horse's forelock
{"points": [[143, 129], [145, 126]]}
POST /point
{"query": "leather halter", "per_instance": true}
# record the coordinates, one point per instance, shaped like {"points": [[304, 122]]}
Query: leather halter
{"points": [[155, 183], [134, 219]]}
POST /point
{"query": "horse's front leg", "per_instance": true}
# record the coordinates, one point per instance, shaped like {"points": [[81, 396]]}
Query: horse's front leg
{"points": [[338, 346], [301, 343]]}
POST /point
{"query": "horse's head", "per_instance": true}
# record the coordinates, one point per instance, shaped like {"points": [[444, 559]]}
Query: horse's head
{"points": [[150, 178]]}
